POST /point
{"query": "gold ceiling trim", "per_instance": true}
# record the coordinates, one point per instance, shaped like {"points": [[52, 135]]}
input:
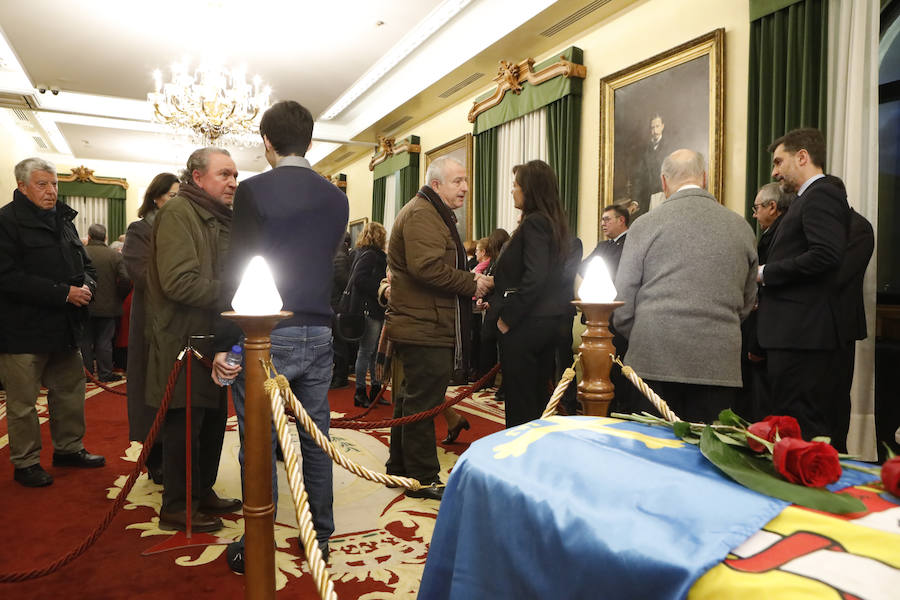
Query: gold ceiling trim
{"points": [[387, 149], [510, 78], [84, 175]]}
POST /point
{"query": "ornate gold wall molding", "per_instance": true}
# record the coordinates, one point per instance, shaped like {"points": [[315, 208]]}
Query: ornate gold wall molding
{"points": [[83, 174], [510, 78], [387, 148]]}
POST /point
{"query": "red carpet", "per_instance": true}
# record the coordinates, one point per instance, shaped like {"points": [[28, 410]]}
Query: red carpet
{"points": [[378, 550]]}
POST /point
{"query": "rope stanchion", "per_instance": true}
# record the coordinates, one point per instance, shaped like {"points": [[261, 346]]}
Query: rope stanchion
{"points": [[19, 576], [298, 492], [279, 387], [654, 398], [101, 385], [428, 414], [567, 377]]}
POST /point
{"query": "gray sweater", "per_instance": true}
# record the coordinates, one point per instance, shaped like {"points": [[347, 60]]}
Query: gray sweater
{"points": [[688, 278]]}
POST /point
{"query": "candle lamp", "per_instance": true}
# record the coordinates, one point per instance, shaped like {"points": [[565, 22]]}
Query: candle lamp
{"points": [[257, 308], [597, 302]]}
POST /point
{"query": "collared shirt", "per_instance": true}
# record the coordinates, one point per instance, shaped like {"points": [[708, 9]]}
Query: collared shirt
{"points": [[293, 161], [808, 183], [618, 237], [688, 186]]}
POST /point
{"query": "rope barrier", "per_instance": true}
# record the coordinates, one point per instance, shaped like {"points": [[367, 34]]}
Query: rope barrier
{"points": [[428, 414], [19, 576], [654, 398], [101, 385], [567, 377], [298, 491]]}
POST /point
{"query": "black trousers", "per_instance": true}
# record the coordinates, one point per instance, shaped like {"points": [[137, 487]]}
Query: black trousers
{"points": [[528, 358], [97, 343], [804, 386], [207, 434], [420, 375], [690, 401], [839, 412]]}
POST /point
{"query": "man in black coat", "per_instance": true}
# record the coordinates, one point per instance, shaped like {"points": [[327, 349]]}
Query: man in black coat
{"points": [[46, 283], [342, 349], [798, 309]]}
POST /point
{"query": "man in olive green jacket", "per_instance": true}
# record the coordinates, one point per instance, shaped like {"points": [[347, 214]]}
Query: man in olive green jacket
{"points": [[190, 239], [431, 291]]}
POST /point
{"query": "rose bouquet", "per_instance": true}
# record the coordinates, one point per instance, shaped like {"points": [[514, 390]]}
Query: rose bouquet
{"points": [[772, 457]]}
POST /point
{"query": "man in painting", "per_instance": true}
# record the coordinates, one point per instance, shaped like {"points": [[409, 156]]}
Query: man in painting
{"points": [[647, 188]]}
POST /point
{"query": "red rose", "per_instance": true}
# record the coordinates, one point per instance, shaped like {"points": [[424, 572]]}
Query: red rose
{"points": [[786, 427], [813, 464], [890, 476]]}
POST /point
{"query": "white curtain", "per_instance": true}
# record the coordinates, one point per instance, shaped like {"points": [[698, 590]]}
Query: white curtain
{"points": [[853, 31], [90, 211], [518, 141], [391, 183]]}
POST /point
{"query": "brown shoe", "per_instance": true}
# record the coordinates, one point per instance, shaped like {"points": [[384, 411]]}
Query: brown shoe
{"points": [[200, 522], [213, 505]]}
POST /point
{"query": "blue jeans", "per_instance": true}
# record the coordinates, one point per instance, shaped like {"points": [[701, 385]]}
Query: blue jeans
{"points": [[365, 358], [304, 356]]}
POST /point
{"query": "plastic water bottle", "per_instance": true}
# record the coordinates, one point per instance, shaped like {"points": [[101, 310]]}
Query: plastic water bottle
{"points": [[233, 358]]}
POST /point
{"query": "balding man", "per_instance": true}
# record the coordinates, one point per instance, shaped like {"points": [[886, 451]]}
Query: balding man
{"points": [[688, 278]]}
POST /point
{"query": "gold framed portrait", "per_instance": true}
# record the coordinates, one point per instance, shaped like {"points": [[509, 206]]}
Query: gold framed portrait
{"points": [[355, 227], [669, 101]]}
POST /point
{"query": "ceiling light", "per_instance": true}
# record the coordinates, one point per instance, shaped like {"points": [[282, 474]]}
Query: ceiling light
{"points": [[412, 40], [214, 104]]}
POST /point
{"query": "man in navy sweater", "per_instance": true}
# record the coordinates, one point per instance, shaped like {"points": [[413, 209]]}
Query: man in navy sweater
{"points": [[295, 219]]}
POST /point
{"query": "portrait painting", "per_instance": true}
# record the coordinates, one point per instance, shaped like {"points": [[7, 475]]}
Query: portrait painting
{"points": [[460, 149], [670, 101], [355, 227]]}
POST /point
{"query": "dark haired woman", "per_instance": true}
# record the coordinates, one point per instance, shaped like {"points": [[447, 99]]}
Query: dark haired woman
{"points": [[533, 288], [136, 252]]}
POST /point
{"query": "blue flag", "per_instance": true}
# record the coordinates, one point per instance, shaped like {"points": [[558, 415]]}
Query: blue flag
{"points": [[586, 507]]}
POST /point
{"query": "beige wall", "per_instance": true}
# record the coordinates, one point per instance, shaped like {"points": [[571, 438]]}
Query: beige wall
{"points": [[638, 32]]}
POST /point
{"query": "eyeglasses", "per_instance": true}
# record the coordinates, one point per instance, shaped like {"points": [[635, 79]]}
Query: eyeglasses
{"points": [[756, 206]]}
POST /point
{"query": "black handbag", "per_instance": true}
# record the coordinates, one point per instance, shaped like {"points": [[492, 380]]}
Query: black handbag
{"points": [[349, 318]]}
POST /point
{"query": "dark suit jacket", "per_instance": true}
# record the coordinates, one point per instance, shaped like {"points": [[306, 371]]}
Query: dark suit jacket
{"points": [[798, 308], [611, 253], [860, 245], [531, 279]]}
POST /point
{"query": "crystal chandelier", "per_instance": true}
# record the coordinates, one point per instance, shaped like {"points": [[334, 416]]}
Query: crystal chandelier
{"points": [[214, 104]]}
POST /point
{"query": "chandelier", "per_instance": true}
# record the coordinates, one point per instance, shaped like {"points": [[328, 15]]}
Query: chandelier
{"points": [[214, 104]]}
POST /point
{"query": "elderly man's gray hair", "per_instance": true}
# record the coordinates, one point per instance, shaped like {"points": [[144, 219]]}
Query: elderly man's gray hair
{"points": [[24, 169], [772, 192], [683, 165], [437, 170], [199, 161], [97, 231]]}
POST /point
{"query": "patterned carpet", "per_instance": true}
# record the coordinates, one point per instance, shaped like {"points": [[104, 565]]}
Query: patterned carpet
{"points": [[378, 549]]}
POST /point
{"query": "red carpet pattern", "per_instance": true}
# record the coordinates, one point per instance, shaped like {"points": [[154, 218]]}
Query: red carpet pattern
{"points": [[378, 549]]}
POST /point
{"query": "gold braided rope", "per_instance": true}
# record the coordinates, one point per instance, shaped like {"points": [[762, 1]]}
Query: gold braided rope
{"points": [[652, 396], [279, 386], [567, 376], [301, 500]]}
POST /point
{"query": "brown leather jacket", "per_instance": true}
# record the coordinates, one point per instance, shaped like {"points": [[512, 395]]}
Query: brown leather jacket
{"points": [[424, 278]]}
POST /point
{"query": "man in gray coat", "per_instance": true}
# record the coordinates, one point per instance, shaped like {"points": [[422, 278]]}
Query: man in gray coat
{"points": [[688, 278]]}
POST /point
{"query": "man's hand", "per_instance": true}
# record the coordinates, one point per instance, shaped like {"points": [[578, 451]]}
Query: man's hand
{"points": [[387, 293], [79, 296], [480, 304], [503, 327], [759, 273], [483, 285], [222, 370]]}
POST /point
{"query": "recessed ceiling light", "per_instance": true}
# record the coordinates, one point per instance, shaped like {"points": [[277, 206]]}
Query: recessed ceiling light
{"points": [[379, 23]]}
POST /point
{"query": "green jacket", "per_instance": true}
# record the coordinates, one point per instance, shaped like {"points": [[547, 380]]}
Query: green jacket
{"points": [[424, 279], [183, 286]]}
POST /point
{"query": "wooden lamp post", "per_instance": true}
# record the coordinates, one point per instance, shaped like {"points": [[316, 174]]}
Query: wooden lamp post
{"points": [[257, 308], [597, 301]]}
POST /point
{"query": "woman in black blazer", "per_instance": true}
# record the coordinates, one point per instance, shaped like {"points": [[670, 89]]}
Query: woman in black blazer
{"points": [[367, 271], [532, 292]]}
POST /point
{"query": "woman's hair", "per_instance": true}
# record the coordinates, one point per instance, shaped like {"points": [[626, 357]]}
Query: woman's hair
{"points": [[161, 184], [541, 195], [496, 241], [373, 234], [483, 244]]}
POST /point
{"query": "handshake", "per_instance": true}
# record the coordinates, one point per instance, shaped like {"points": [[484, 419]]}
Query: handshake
{"points": [[483, 285]]}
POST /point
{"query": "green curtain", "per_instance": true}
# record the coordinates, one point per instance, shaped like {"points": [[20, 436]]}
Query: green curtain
{"points": [[563, 128], [485, 184], [115, 218], [788, 79], [378, 200], [408, 178]]}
